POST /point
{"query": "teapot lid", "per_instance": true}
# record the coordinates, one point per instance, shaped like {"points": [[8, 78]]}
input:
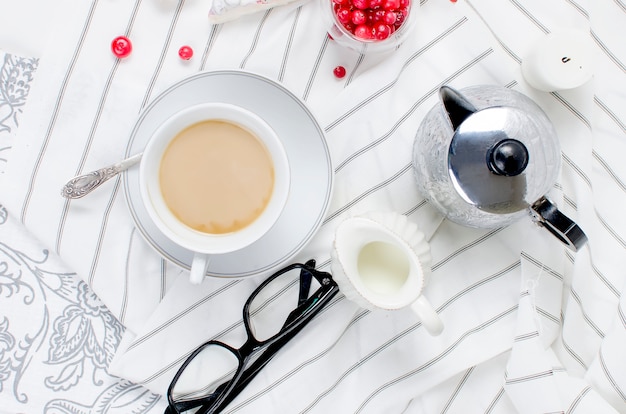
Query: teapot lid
{"points": [[495, 159]]}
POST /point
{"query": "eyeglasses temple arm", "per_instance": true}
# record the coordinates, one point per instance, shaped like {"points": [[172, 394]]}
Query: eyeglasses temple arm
{"points": [[323, 295], [305, 286]]}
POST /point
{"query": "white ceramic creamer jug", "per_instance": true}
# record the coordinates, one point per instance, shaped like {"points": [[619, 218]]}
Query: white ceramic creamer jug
{"points": [[382, 260]]}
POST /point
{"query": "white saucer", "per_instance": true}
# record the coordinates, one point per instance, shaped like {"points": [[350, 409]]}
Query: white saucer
{"points": [[304, 142]]}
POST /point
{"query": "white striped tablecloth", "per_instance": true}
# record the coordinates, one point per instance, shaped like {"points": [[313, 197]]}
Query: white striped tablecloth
{"points": [[529, 326]]}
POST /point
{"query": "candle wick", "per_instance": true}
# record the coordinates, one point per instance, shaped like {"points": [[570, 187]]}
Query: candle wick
{"points": [[565, 59]]}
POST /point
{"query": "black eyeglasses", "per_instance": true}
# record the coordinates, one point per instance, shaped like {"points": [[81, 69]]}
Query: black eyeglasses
{"points": [[215, 373]]}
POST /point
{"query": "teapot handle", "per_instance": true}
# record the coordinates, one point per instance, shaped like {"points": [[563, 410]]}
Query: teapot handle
{"points": [[562, 227]]}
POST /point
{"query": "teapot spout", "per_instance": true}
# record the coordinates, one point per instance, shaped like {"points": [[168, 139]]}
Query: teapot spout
{"points": [[457, 107]]}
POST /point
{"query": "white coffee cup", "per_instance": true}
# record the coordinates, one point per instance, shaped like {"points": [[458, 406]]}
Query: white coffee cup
{"points": [[204, 244], [381, 260]]}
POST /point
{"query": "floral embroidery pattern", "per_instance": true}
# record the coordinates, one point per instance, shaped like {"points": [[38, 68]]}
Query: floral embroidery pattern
{"points": [[80, 340], [16, 75], [69, 337]]}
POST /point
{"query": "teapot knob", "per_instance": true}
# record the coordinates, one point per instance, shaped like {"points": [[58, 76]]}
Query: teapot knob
{"points": [[508, 157]]}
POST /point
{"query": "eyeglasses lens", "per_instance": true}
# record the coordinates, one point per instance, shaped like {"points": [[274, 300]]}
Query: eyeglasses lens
{"points": [[211, 367], [271, 307]]}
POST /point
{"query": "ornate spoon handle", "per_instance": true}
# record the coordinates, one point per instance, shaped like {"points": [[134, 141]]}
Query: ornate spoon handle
{"points": [[82, 185]]}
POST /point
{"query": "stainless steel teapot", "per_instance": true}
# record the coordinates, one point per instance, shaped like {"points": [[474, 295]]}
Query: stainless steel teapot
{"points": [[485, 156]]}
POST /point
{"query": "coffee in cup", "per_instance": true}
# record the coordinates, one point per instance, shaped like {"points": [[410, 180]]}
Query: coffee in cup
{"points": [[214, 178]]}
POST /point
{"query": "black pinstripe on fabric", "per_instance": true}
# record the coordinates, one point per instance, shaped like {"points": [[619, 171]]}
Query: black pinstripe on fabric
{"points": [[371, 190], [605, 281], [526, 336], [607, 168], [83, 158], [610, 113], [607, 373], [467, 247], [529, 15], [164, 50], [433, 361], [579, 171], [482, 282], [184, 313], [614, 234], [101, 233], [163, 274], [572, 408], [530, 377], [570, 351], [389, 86], [286, 54], [315, 68], [255, 39], [415, 208], [549, 316], [542, 266], [620, 5], [569, 201], [621, 314], [457, 389], [57, 110], [506, 49], [579, 8], [355, 70], [620, 65], [215, 30], [572, 109], [584, 313], [495, 400], [124, 306]]}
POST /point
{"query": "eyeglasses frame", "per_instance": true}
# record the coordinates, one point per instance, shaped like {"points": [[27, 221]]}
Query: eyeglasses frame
{"points": [[307, 309]]}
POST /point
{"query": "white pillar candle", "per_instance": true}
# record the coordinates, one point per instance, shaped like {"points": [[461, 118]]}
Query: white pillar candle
{"points": [[560, 60]]}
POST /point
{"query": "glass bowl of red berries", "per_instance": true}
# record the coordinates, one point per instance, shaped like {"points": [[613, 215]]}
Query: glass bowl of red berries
{"points": [[370, 25]]}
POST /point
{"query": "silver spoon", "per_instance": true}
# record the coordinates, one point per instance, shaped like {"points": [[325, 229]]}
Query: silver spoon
{"points": [[82, 185]]}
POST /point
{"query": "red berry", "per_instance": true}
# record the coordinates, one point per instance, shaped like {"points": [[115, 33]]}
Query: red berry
{"points": [[390, 17], [379, 16], [363, 31], [376, 4], [358, 17], [391, 4], [453, 1], [339, 72], [381, 31], [121, 46], [185, 52], [400, 17], [361, 4], [344, 15], [350, 27]]}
